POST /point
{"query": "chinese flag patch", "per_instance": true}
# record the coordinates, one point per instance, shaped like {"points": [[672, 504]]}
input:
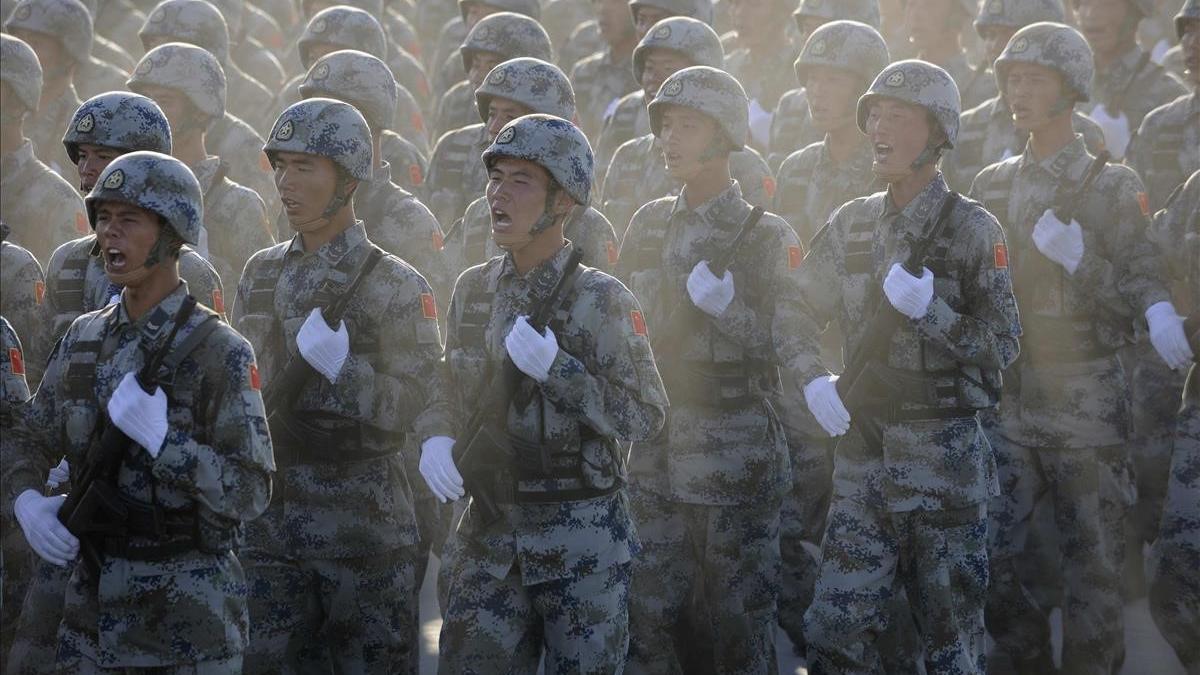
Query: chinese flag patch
{"points": [[428, 306], [255, 380], [769, 186], [81, 223], [418, 122], [218, 301], [1000, 253], [614, 253], [639, 323], [1144, 203], [414, 174], [795, 256], [439, 241], [39, 291], [15, 361]]}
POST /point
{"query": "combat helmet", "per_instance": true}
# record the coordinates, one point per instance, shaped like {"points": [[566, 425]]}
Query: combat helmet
{"points": [[701, 10], [710, 91], [195, 22], [846, 45], [1145, 8], [862, 11], [327, 128], [344, 28], [922, 84], [67, 21], [357, 78], [185, 68], [508, 35], [538, 85], [1055, 46], [1189, 12], [158, 183], [530, 8], [1017, 13], [693, 38], [19, 67], [120, 120]]}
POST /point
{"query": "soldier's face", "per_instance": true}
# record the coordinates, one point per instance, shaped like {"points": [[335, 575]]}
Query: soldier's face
{"points": [[305, 184], [687, 139], [1032, 92], [516, 196], [126, 234], [832, 97], [995, 39], [501, 111], [1191, 50], [755, 20], [899, 132], [482, 64], [49, 50], [661, 64], [614, 19], [178, 108], [92, 160], [1106, 24], [930, 22], [645, 17]]}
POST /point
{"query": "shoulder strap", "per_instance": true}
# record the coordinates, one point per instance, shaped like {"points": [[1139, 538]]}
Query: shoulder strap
{"points": [[194, 338]]}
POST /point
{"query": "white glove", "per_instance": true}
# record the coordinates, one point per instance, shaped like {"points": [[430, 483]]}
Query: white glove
{"points": [[1058, 241], [760, 123], [710, 294], [437, 467], [59, 475], [1166, 334], [823, 401], [324, 349], [114, 299], [142, 416], [1116, 130], [908, 294], [50, 539], [531, 352]]}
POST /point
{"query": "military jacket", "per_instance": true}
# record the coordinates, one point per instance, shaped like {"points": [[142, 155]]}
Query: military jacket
{"points": [[235, 219], [766, 77], [791, 127], [411, 164], [638, 174], [216, 459], [390, 385], [1068, 389], [975, 85], [456, 108], [249, 100], [45, 130], [1134, 85], [600, 81], [1166, 149], [630, 120], [723, 443], [603, 388], [240, 147], [1176, 231], [456, 173], [811, 186], [968, 334], [42, 209], [13, 388], [22, 290]]}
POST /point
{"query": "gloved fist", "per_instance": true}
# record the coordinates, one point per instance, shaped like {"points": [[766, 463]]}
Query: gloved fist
{"points": [[38, 517], [531, 352], [438, 470], [710, 294], [59, 474], [324, 349], [908, 294], [826, 405], [142, 416], [1167, 336], [1116, 130], [1059, 241]]}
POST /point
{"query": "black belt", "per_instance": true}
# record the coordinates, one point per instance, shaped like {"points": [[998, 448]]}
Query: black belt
{"points": [[719, 385], [153, 533], [298, 441]]}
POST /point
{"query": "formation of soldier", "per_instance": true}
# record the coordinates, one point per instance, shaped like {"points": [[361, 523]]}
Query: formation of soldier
{"points": [[659, 325]]}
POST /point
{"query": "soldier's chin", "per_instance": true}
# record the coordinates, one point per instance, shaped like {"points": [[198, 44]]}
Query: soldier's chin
{"points": [[888, 171], [682, 171]]}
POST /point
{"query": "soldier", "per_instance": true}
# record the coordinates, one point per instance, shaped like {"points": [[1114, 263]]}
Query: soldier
{"points": [[935, 29], [791, 125], [707, 492], [41, 208], [22, 290], [165, 590], [455, 175], [912, 479], [447, 65], [14, 554], [1175, 588], [1084, 268], [600, 80], [552, 574], [986, 132], [646, 13], [515, 88], [1128, 84], [496, 38], [188, 84], [760, 61], [331, 563]]}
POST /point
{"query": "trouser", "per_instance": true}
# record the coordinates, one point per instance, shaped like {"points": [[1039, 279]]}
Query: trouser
{"points": [[729, 557], [939, 558], [1091, 490], [36, 638], [801, 523], [81, 666], [502, 626], [18, 568], [351, 615]]}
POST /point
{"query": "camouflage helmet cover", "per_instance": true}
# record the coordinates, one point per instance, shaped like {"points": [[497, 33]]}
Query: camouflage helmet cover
{"points": [[691, 37], [862, 11], [1189, 12], [919, 83], [1017, 13], [556, 145], [19, 67], [156, 182], [195, 22], [697, 9], [1055, 46], [185, 68], [327, 128], [538, 85], [357, 78], [119, 120], [709, 91], [345, 28], [68, 21], [234, 13], [530, 8], [1144, 7], [846, 45], [509, 35]]}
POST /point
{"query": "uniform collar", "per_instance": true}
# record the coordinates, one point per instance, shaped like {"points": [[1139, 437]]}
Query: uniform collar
{"points": [[1059, 164], [725, 206], [154, 322], [16, 160], [924, 205], [541, 279], [858, 163], [335, 249]]}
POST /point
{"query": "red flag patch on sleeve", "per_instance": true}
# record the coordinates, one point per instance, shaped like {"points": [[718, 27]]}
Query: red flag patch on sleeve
{"points": [[639, 323], [769, 186], [81, 223], [439, 240], [15, 361], [218, 301], [1000, 254], [255, 380], [428, 306], [39, 291], [414, 174], [1144, 203], [795, 256], [614, 253]]}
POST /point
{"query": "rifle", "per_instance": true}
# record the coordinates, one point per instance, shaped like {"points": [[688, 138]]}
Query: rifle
{"points": [[95, 492], [852, 386], [479, 474], [675, 323]]}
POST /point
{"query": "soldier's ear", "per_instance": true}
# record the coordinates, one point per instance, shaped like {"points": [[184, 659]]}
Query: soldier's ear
{"points": [[563, 202]]}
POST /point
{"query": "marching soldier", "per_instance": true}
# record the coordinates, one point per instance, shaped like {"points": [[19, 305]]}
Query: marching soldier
{"points": [[601, 79], [760, 61], [14, 563], [184, 466], [22, 291], [935, 29], [552, 573]]}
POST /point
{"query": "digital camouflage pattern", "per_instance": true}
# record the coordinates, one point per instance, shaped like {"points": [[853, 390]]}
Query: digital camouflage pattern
{"points": [[844, 45], [118, 120], [1132, 86], [357, 78], [709, 91], [509, 35], [540, 86], [345, 28], [1017, 13], [155, 182], [22, 292], [600, 80], [918, 83], [67, 21], [553, 143], [455, 173], [45, 130], [791, 127], [530, 8], [811, 186], [42, 209], [1054, 46], [237, 143], [696, 9], [235, 220], [328, 128], [454, 109], [21, 71], [17, 558], [1166, 149], [863, 11], [766, 76], [188, 69]]}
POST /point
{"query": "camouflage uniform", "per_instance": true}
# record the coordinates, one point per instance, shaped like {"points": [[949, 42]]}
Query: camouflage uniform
{"points": [[553, 573], [331, 563], [601, 80], [22, 290], [707, 491], [1060, 429], [448, 63], [1131, 87], [1175, 587], [1166, 149], [766, 75], [212, 473], [15, 558]]}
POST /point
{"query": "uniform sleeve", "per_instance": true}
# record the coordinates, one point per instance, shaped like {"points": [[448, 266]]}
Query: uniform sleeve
{"points": [[443, 200], [820, 297], [55, 317], [12, 372], [766, 322], [597, 239], [203, 282], [422, 246], [23, 311], [616, 200], [66, 219]]}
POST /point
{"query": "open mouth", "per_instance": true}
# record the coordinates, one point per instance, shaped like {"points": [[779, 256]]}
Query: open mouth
{"points": [[290, 205], [114, 259], [882, 152], [501, 221]]}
